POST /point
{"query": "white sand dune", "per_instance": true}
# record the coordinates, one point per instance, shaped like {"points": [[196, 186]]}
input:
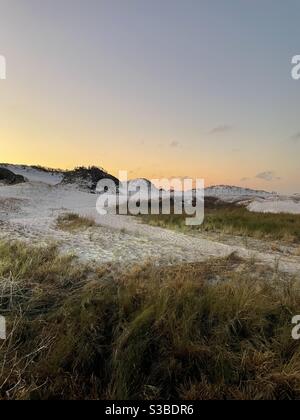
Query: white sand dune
{"points": [[275, 206], [35, 175], [29, 212]]}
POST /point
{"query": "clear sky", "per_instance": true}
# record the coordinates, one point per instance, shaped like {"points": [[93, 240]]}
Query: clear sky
{"points": [[198, 88]]}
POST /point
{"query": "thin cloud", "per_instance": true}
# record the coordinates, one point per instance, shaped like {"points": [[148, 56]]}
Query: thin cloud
{"points": [[268, 176], [185, 177], [221, 129], [174, 144], [296, 137]]}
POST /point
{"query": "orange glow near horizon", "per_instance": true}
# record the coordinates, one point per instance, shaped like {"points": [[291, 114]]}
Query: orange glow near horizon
{"points": [[98, 85]]}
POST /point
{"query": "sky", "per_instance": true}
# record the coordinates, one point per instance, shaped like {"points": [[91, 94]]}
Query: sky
{"points": [[160, 88]]}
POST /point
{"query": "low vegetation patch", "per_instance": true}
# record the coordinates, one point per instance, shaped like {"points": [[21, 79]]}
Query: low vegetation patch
{"points": [[72, 222], [88, 177], [214, 330], [46, 170], [7, 177], [237, 220]]}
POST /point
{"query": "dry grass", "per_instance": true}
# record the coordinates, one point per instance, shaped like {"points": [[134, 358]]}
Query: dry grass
{"points": [[214, 330], [228, 218], [71, 222]]}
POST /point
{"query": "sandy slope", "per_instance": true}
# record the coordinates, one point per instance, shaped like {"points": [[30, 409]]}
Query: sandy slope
{"points": [[35, 175], [278, 205], [29, 212]]}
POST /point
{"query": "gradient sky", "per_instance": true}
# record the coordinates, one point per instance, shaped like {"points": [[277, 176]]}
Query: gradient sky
{"points": [[161, 88]]}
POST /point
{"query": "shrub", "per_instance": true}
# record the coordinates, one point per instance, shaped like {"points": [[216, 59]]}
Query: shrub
{"points": [[72, 222]]}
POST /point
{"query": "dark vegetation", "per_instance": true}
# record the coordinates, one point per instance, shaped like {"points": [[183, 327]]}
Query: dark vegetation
{"points": [[9, 178], [73, 222], [88, 176], [214, 330]]}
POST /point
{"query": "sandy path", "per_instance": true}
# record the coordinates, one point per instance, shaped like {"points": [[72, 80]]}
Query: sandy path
{"points": [[29, 212]]}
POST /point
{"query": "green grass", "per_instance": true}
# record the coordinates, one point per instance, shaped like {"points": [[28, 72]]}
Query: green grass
{"points": [[236, 220], [214, 330], [71, 222]]}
